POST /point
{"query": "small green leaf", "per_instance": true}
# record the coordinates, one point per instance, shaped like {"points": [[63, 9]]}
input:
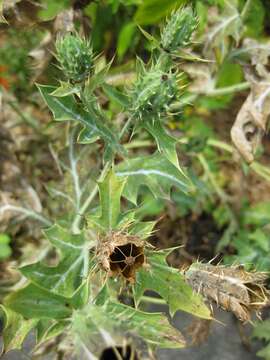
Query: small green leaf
{"points": [[51, 8], [262, 330], [264, 353], [165, 142], [125, 38], [142, 229], [153, 171], [65, 89], [110, 191], [260, 239], [5, 249], [258, 214], [16, 328], [170, 284], [34, 302]]}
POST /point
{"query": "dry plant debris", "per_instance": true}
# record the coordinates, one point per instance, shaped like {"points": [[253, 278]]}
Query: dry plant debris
{"points": [[251, 122], [121, 254], [232, 288]]}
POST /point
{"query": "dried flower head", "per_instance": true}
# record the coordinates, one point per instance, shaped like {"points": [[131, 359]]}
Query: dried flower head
{"points": [[178, 30], [75, 56], [232, 288], [121, 254]]}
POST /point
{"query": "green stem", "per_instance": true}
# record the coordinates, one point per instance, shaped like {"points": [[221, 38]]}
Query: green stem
{"points": [[75, 227], [138, 144], [151, 300], [219, 191], [215, 92], [125, 127], [228, 89]]}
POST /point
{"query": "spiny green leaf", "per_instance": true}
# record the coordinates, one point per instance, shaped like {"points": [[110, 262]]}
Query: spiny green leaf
{"points": [[34, 302], [165, 142], [72, 269], [170, 284], [110, 191], [65, 89], [154, 171], [62, 279], [117, 318], [115, 95], [64, 240], [142, 229], [47, 329], [16, 328], [66, 108]]}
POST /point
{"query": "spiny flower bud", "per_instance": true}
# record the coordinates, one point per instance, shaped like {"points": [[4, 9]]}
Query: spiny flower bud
{"points": [[153, 92], [178, 30], [75, 56]]}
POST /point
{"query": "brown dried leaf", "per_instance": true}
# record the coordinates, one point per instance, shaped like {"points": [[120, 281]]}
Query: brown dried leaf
{"points": [[251, 121], [232, 288], [121, 254], [199, 331]]}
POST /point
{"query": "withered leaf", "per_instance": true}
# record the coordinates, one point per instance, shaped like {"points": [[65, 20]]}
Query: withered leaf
{"points": [[232, 288], [251, 121]]}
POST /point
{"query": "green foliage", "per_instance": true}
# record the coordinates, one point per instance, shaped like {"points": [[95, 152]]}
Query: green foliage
{"points": [[33, 302], [170, 284], [66, 108], [77, 293], [153, 171], [51, 8], [72, 269], [16, 328], [151, 11], [262, 332], [5, 250], [118, 318]]}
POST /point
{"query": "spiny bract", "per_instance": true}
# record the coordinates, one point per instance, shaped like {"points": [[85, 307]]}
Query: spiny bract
{"points": [[153, 92], [178, 30], [75, 56]]}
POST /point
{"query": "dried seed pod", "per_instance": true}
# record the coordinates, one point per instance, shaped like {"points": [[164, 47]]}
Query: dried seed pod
{"points": [[232, 288], [121, 254]]}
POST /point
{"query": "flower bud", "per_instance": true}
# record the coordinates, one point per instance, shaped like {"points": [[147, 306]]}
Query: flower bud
{"points": [[153, 92], [178, 30], [75, 56]]}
